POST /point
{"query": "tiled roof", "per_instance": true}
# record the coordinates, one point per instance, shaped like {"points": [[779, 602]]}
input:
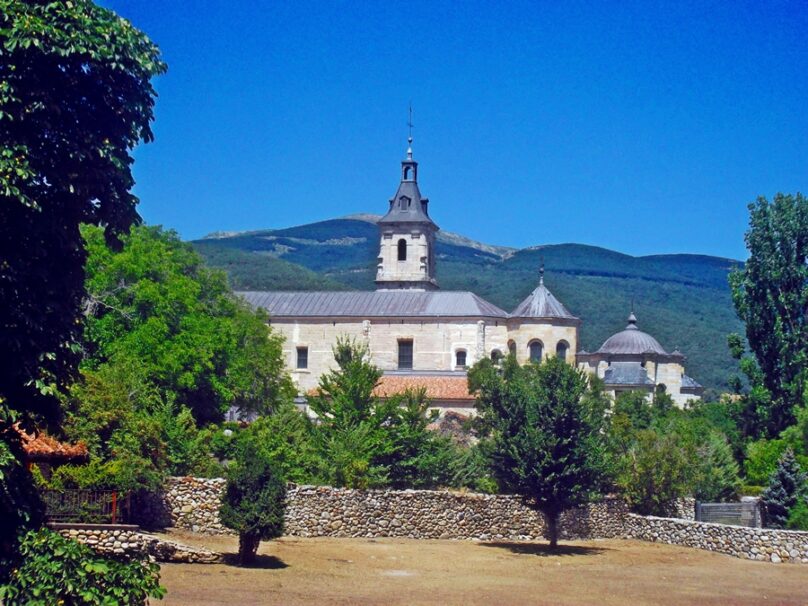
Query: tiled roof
{"points": [[373, 304], [626, 373], [437, 387], [43, 447], [632, 341]]}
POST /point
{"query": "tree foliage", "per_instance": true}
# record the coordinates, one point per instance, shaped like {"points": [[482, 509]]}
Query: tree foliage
{"points": [[57, 570], [75, 98], [157, 309], [543, 445], [770, 294], [253, 502]]}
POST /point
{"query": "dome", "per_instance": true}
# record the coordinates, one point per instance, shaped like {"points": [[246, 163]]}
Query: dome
{"points": [[541, 304], [632, 341]]}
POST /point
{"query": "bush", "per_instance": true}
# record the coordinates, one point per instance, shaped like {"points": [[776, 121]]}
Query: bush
{"points": [[786, 486], [253, 503], [761, 460], [56, 570], [749, 490], [798, 516]]}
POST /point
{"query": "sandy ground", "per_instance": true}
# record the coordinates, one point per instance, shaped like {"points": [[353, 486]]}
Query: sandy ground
{"points": [[400, 571]]}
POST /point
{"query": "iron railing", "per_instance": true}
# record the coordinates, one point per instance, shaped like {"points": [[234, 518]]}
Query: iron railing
{"points": [[87, 506]]}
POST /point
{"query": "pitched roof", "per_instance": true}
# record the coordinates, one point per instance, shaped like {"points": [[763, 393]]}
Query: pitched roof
{"points": [[626, 373], [691, 384], [373, 304], [42, 447], [437, 387], [541, 304]]}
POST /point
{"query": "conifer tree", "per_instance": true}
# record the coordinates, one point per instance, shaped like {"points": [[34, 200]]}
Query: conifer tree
{"points": [[786, 485]]}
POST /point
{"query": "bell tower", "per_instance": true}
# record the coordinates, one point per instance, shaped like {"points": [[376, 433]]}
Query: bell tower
{"points": [[407, 250]]}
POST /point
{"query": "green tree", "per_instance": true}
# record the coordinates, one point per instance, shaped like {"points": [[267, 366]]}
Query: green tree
{"points": [[419, 457], [542, 443], [253, 502], [655, 471], [352, 431], [786, 486], [75, 99], [154, 307], [770, 294]]}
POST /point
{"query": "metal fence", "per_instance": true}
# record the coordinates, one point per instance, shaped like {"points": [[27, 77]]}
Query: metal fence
{"points": [[87, 506], [745, 513]]}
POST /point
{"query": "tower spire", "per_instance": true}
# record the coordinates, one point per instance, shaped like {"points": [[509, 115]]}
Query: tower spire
{"points": [[541, 272], [409, 134]]}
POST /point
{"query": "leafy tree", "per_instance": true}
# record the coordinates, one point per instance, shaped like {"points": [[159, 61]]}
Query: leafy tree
{"points": [[542, 443], [786, 486], [635, 405], [717, 471], [57, 570], [761, 460], [770, 294], [253, 502], [154, 307], [419, 458], [656, 470], [75, 99]]}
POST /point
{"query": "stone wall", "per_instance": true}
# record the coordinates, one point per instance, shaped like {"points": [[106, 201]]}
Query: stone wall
{"points": [[765, 544], [185, 502], [120, 540], [321, 511]]}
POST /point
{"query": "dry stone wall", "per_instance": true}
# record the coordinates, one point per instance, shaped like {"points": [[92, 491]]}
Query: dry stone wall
{"points": [[765, 544], [321, 511], [128, 541]]}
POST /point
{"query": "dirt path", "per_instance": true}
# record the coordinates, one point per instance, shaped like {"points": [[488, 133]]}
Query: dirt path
{"points": [[399, 571]]}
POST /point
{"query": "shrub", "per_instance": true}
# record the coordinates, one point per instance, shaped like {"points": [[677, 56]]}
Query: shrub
{"points": [[253, 503], [798, 516], [56, 570], [761, 460]]}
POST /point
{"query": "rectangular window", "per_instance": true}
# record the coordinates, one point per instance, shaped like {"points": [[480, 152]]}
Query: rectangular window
{"points": [[405, 355], [302, 357]]}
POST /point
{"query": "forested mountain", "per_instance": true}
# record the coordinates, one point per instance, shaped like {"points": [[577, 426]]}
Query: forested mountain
{"points": [[683, 300]]}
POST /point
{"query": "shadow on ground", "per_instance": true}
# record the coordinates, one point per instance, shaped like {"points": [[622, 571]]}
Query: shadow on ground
{"points": [[543, 549], [261, 561]]}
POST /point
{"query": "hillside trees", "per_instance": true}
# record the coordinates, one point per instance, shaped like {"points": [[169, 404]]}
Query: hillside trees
{"points": [[75, 99], [770, 294], [542, 442]]}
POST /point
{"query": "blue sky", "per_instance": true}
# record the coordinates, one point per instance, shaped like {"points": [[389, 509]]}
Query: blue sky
{"points": [[644, 127]]}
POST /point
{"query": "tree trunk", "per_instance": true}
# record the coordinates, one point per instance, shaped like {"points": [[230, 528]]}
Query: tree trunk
{"points": [[247, 547], [552, 528]]}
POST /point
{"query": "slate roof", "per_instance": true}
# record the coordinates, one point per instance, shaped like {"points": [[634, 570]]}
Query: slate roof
{"points": [[541, 304], [632, 341], [374, 304], [626, 373], [691, 384]]}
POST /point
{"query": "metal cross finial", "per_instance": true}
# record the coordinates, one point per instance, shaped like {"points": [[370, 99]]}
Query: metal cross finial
{"points": [[541, 271]]}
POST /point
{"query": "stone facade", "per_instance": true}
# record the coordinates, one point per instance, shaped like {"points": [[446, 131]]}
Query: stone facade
{"points": [[322, 511], [129, 541]]}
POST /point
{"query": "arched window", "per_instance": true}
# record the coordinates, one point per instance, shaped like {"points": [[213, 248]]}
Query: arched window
{"points": [[512, 347], [496, 355], [460, 358], [561, 349], [407, 171], [402, 250], [536, 350]]}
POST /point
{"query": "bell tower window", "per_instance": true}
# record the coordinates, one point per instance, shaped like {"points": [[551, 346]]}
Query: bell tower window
{"points": [[402, 250]]}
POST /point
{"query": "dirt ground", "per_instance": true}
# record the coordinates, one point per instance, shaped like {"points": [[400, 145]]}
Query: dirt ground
{"points": [[400, 571]]}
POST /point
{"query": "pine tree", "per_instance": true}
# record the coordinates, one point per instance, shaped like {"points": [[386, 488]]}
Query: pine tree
{"points": [[786, 485]]}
